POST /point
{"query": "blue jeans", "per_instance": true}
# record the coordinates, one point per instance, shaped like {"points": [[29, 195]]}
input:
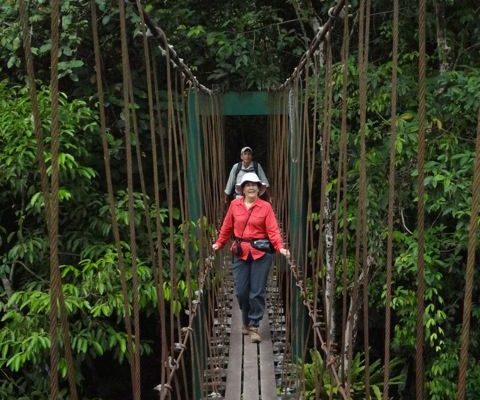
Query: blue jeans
{"points": [[250, 287]]}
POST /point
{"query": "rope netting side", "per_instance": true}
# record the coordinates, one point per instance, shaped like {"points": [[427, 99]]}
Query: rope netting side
{"points": [[422, 125], [50, 192], [182, 268], [310, 204], [314, 237], [301, 130], [305, 127]]}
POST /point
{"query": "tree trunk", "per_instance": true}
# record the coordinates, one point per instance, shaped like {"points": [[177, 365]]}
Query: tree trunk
{"points": [[351, 326], [350, 330], [305, 12], [330, 275], [443, 48], [8, 287]]}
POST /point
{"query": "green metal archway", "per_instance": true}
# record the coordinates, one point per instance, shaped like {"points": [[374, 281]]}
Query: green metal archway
{"points": [[245, 104]]}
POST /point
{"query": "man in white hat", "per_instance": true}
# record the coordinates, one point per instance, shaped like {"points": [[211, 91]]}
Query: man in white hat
{"points": [[241, 168]]}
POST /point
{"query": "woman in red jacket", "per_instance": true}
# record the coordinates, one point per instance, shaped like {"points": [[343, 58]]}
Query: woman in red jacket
{"points": [[249, 218]]}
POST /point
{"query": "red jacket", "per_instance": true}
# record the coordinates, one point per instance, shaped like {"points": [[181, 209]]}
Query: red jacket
{"points": [[262, 223]]}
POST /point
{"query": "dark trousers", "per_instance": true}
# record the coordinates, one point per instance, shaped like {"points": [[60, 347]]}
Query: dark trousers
{"points": [[250, 287]]}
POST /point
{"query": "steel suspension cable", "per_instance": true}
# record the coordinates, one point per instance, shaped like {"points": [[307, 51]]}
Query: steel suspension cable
{"points": [[391, 200], [55, 284], [309, 132], [110, 197], [311, 152], [277, 135], [361, 245], [170, 154], [179, 151], [297, 146], [215, 326], [420, 295], [311, 148], [178, 148], [176, 144], [363, 197], [158, 224], [179, 186], [184, 213], [342, 187], [50, 195], [298, 275], [469, 271], [283, 205], [45, 189], [173, 121], [141, 175], [278, 138], [131, 213]]}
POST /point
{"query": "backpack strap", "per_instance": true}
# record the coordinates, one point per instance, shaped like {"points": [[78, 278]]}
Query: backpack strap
{"points": [[239, 167]]}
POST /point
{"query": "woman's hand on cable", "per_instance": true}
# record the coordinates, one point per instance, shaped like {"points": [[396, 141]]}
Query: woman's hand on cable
{"points": [[215, 246], [285, 252]]}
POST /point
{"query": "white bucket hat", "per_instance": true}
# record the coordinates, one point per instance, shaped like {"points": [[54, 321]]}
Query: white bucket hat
{"points": [[251, 177]]}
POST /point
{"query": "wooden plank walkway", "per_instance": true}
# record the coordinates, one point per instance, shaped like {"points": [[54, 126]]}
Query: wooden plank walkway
{"points": [[250, 374]]}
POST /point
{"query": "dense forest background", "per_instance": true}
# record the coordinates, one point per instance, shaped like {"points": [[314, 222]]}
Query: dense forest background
{"points": [[230, 45]]}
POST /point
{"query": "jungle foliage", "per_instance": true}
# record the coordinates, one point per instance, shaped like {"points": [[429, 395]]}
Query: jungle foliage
{"points": [[238, 45]]}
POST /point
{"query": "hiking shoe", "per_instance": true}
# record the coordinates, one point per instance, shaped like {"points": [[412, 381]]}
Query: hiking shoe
{"points": [[245, 330], [254, 335]]}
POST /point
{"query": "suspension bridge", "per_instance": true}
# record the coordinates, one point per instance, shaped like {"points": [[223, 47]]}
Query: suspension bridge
{"points": [[314, 302]]}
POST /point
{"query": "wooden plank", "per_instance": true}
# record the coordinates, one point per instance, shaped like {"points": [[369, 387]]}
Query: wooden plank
{"points": [[234, 372], [256, 358], [267, 370], [250, 370]]}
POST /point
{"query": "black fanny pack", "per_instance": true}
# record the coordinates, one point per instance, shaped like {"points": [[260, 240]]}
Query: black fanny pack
{"points": [[262, 245]]}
